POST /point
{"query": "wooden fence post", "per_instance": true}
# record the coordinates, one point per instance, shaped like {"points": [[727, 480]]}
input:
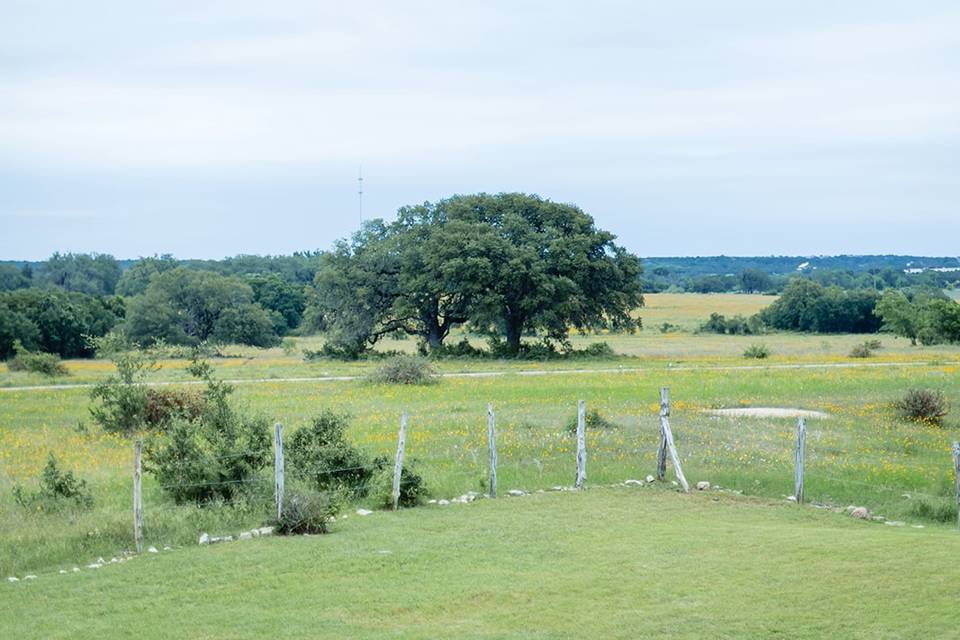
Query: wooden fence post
{"points": [[581, 444], [137, 495], [667, 438], [492, 444], [956, 469], [798, 471], [398, 465], [662, 447], [278, 467]]}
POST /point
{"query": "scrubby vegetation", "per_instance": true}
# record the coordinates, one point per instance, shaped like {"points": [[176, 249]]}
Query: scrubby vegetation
{"points": [[215, 455], [47, 364], [404, 369], [56, 488], [307, 511], [927, 406], [321, 455], [757, 351]]}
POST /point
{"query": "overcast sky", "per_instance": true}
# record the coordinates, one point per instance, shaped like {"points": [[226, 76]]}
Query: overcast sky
{"points": [[207, 129]]}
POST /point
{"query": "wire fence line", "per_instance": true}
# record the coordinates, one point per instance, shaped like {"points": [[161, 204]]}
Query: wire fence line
{"points": [[542, 459]]}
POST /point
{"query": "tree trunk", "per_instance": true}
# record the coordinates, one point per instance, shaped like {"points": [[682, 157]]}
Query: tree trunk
{"points": [[514, 331]]}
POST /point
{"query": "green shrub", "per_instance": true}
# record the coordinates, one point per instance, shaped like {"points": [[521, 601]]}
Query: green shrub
{"points": [[307, 511], [413, 489], [861, 351], [592, 420], [944, 510], [121, 398], [923, 405], [56, 487], [213, 456], [865, 349], [321, 456], [404, 370], [668, 327], [47, 364], [462, 349], [598, 350], [758, 351]]}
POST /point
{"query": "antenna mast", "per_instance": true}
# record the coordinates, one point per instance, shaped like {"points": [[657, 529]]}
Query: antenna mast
{"points": [[360, 193]]}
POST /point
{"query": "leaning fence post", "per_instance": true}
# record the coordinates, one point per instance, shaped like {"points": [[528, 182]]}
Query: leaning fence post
{"points": [[278, 467], [667, 438], [662, 447], [492, 444], [398, 465], [798, 472], [956, 469], [581, 444], [137, 495]]}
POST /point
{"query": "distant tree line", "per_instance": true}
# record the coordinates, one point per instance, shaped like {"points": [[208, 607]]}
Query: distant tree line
{"points": [[661, 279]]}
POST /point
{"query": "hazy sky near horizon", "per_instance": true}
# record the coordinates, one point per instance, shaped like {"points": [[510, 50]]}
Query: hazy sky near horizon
{"points": [[206, 129]]}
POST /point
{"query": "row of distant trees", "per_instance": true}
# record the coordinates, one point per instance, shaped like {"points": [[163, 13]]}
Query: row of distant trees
{"points": [[754, 280], [508, 265]]}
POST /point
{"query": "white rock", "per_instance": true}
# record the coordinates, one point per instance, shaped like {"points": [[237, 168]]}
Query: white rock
{"points": [[633, 483], [364, 512], [245, 535], [860, 513], [675, 483], [649, 479], [93, 566], [13, 579], [791, 498], [256, 532], [850, 509], [30, 577], [101, 561], [168, 548], [703, 485], [76, 569], [918, 526], [268, 531], [63, 572], [149, 550], [115, 561], [204, 538], [895, 523], [431, 502], [516, 493], [443, 503]]}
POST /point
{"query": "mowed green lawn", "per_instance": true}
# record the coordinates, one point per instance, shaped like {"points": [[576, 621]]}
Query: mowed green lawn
{"points": [[604, 563]]}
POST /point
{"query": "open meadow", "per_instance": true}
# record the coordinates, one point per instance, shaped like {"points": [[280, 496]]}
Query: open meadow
{"points": [[861, 454]]}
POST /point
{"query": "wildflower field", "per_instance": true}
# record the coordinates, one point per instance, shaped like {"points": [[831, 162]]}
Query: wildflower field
{"points": [[861, 454]]}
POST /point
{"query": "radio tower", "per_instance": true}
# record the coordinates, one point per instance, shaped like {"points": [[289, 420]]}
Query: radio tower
{"points": [[360, 193]]}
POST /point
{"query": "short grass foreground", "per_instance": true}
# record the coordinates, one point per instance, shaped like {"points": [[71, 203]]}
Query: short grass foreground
{"points": [[612, 563]]}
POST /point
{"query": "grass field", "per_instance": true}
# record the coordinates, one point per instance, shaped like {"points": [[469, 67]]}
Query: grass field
{"points": [[861, 455], [603, 563], [647, 348]]}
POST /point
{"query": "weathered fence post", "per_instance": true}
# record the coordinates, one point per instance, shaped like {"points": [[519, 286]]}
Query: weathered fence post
{"points": [[137, 495], [956, 469], [581, 444], [278, 467], [492, 445], [798, 472], [398, 465], [662, 447], [666, 436]]}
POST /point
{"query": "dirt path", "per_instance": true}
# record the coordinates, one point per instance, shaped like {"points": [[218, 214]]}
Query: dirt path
{"points": [[527, 372]]}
